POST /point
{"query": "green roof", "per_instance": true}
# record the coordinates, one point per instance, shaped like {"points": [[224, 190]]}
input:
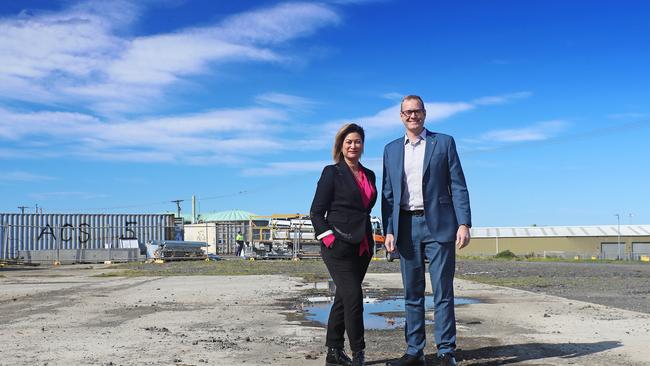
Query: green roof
{"points": [[232, 215]]}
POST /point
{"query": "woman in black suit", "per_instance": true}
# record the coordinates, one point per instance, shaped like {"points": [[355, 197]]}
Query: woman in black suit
{"points": [[340, 213]]}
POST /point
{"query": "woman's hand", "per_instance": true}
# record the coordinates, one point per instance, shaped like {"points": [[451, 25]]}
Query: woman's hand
{"points": [[329, 240]]}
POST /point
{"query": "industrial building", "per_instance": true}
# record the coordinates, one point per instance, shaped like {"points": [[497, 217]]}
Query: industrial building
{"points": [[603, 242], [87, 236], [218, 229]]}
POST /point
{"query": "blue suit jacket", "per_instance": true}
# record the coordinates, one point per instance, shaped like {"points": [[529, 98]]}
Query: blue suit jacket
{"points": [[446, 200]]}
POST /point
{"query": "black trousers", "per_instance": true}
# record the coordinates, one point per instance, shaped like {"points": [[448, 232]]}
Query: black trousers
{"points": [[347, 269], [240, 246]]}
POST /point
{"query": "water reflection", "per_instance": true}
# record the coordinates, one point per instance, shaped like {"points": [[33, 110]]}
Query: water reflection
{"points": [[378, 314]]}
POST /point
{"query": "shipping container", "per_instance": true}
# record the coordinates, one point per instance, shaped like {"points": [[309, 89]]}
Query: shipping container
{"points": [[79, 231]]}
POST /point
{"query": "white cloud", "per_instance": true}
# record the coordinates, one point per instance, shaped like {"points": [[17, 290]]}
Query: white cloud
{"points": [[393, 96], [301, 167], [81, 56], [22, 176], [216, 136], [346, 2], [71, 43], [164, 59], [277, 24], [15, 126], [286, 168], [219, 136], [440, 111], [389, 119], [291, 101], [496, 139], [501, 99], [539, 131], [436, 111]]}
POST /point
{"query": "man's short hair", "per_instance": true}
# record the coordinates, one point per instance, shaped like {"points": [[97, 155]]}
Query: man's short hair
{"points": [[410, 97]]}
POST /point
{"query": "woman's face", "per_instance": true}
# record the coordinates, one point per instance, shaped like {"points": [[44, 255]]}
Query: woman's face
{"points": [[352, 146]]}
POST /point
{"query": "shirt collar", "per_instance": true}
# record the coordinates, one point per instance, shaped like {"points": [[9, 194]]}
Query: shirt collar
{"points": [[423, 136]]}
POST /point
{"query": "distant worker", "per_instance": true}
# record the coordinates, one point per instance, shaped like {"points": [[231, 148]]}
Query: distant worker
{"points": [[239, 239], [340, 213]]}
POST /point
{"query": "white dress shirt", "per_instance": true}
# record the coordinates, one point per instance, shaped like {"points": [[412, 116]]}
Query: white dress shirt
{"points": [[412, 198]]}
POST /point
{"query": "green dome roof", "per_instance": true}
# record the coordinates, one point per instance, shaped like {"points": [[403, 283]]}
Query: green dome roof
{"points": [[232, 215]]}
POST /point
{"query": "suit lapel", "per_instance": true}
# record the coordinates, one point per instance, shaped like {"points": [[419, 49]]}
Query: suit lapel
{"points": [[428, 150], [349, 179], [398, 175]]}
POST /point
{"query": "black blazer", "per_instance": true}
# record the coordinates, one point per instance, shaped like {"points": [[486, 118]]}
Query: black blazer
{"points": [[337, 207]]}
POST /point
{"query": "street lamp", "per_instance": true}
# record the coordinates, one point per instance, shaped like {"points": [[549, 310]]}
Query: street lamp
{"points": [[618, 241]]}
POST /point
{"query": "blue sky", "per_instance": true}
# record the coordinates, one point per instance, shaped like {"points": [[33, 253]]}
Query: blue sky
{"points": [[123, 106]]}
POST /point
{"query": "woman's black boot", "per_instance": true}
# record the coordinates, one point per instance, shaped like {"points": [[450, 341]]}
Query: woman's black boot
{"points": [[359, 358], [337, 357]]}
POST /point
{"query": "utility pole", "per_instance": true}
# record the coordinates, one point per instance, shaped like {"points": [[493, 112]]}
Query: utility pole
{"points": [[178, 206], [22, 209]]}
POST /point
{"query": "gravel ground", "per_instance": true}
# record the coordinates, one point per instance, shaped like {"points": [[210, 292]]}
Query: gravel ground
{"points": [[621, 285], [234, 311]]}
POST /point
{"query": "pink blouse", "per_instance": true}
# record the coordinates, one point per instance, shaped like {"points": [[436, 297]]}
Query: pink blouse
{"points": [[367, 192]]}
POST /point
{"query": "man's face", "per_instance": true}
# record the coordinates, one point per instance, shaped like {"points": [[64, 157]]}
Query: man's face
{"points": [[413, 115]]}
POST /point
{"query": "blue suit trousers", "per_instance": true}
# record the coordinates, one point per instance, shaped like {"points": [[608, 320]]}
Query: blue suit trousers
{"points": [[415, 243]]}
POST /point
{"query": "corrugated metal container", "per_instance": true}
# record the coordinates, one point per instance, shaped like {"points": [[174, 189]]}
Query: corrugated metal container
{"points": [[79, 231]]}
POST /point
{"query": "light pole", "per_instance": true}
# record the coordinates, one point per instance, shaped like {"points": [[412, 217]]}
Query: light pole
{"points": [[629, 216], [618, 241]]}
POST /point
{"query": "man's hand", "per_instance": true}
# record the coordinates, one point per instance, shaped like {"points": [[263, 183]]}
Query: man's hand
{"points": [[462, 237], [389, 243]]}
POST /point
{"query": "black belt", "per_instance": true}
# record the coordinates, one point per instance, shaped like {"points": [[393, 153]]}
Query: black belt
{"points": [[412, 212]]}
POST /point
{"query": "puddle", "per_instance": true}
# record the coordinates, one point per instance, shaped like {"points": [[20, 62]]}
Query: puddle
{"points": [[377, 313]]}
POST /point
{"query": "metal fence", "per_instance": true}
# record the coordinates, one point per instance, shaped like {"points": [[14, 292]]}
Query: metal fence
{"points": [[28, 232]]}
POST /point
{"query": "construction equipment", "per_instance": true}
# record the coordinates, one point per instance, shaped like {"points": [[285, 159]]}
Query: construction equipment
{"points": [[292, 236], [175, 250]]}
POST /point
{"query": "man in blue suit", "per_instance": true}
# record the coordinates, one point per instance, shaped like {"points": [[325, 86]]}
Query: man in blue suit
{"points": [[425, 210]]}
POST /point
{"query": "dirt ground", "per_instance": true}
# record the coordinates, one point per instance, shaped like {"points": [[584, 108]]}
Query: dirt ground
{"points": [[221, 313], [623, 285]]}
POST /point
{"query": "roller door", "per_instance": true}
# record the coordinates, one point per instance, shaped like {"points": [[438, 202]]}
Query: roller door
{"points": [[611, 251], [639, 249]]}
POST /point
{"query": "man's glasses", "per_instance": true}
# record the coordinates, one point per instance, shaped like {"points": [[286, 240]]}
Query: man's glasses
{"points": [[409, 112]]}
